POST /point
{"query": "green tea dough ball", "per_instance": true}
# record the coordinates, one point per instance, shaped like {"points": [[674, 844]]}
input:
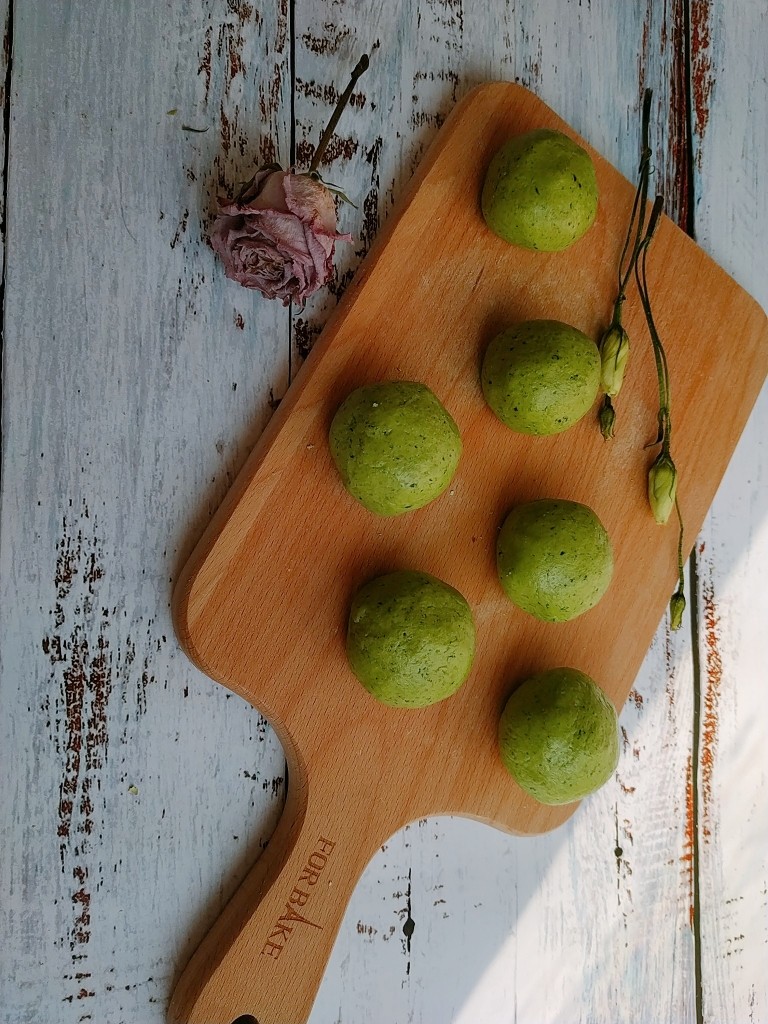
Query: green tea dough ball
{"points": [[540, 191], [558, 736], [554, 558], [395, 446], [541, 376], [410, 639]]}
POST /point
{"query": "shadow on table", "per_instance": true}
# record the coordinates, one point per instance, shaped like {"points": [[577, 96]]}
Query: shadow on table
{"points": [[419, 949], [400, 933]]}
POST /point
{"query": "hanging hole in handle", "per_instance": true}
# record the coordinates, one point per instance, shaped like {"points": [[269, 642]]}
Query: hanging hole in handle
{"points": [[246, 1018]]}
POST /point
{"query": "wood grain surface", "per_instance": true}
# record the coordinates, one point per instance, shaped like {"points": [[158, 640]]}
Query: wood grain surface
{"points": [[144, 377], [270, 625]]}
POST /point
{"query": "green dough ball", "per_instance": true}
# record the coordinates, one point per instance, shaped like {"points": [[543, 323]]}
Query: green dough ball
{"points": [[541, 376], [410, 639], [558, 736], [554, 559], [540, 191], [395, 446]]}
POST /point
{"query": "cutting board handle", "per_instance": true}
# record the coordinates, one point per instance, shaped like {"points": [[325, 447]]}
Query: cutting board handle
{"points": [[266, 955]]}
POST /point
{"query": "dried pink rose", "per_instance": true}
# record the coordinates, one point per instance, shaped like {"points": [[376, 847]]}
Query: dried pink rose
{"points": [[279, 235]]}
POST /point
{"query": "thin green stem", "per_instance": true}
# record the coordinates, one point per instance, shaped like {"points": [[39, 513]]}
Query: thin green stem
{"points": [[659, 355], [657, 350], [680, 574], [633, 244], [325, 138], [639, 204]]}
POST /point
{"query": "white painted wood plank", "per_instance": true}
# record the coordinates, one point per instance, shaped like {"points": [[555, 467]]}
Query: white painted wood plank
{"points": [[135, 380], [731, 218], [559, 928]]}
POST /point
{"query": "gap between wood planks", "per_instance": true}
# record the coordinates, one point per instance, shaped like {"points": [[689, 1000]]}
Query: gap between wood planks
{"points": [[690, 42], [8, 57], [292, 162]]}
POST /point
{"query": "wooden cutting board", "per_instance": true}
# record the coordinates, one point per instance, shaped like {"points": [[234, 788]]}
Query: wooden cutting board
{"points": [[262, 604]]}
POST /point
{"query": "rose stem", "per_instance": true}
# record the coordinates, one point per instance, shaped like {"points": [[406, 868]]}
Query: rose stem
{"points": [[360, 67]]}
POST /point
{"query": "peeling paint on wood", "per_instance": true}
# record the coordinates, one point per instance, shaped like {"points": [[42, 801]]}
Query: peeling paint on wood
{"points": [[711, 701], [688, 858], [78, 648], [702, 80], [677, 183]]}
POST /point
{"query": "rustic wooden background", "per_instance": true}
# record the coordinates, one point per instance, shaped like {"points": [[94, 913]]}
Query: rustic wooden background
{"points": [[135, 380]]}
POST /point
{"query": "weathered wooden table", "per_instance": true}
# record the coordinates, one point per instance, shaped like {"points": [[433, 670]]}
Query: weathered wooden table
{"points": [[136, 378]]}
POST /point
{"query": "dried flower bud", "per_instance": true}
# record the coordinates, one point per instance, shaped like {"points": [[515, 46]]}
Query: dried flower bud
{"points": [[662, 487], [607, 419], [676, 609], [614, 353]]}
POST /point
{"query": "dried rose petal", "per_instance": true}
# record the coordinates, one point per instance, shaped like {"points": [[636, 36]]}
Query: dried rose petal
{"points": [[280, 237]]}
